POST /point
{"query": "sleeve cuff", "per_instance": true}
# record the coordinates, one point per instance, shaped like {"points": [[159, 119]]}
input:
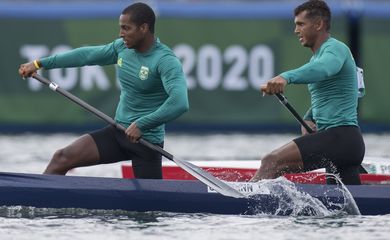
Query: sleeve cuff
{"points": [[286, 77]]}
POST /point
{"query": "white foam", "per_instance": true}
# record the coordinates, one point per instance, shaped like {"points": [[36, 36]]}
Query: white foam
{"points": [[294, 202]]}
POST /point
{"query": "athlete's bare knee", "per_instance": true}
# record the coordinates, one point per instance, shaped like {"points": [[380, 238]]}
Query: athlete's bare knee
{"points": [[58, 163], [270, 160], [269, 165], [60, 157]]}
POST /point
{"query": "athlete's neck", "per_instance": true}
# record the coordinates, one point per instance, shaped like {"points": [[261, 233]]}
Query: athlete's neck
{"points": [[320, 40], [147, 44]]}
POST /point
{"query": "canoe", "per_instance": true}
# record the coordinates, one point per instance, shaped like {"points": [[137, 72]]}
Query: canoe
{"points": [[243, 170], [184, 196]]}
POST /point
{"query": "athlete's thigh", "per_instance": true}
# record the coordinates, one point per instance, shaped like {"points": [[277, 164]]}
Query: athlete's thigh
{"points": [[349, 149], [334, 147], [82, 152], [110, 145], [146, 162], [288, 158], [316, 150]]}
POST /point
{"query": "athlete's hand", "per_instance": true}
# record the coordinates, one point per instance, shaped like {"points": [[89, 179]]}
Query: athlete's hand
{"points": [[133, 132], [275, 85], [27, 69], [311, 124]]}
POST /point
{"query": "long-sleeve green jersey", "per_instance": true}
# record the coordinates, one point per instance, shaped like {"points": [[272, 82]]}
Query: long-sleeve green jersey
{"points": [[331, 78], [153, 86]]}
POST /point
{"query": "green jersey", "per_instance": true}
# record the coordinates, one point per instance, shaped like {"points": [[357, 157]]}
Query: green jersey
{"points": [[153, 86], [331, 78]]}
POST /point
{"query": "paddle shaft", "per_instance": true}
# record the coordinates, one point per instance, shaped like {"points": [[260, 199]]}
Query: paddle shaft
{"points": [[53, 86], [197, 172], [290, 108]]}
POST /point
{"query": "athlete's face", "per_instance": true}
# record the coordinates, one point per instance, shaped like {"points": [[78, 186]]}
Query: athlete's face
{"points": [[131, 34], [306, 29]]}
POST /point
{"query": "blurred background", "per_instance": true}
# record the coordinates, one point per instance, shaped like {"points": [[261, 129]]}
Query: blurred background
{"points": [[228, 48]]}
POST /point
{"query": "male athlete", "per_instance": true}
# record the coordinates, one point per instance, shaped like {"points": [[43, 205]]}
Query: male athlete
{"points": [[153, 92], [337, 143]]}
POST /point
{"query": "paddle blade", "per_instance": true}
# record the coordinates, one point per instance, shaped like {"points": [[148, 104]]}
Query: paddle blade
{"points": [[208, 179]]}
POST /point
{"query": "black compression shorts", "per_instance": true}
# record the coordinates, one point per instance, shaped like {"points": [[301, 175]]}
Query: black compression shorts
{"points": [[114, 146], [339, 150]]}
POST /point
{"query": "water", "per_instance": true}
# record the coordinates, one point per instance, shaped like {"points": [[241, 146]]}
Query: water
{"points": [[156, 225], [30, 153]]}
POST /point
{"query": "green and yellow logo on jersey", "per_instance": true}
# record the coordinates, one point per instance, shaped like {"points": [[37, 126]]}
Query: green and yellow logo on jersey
{"points": [[119, 62], [143, 73]]}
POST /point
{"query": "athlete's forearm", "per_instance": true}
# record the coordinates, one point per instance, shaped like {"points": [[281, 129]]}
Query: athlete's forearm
{"points": [[175, 105], [94, 55], [320, 69]]}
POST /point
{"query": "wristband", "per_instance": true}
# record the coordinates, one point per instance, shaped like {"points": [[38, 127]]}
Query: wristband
{"points": [[37, 64]]}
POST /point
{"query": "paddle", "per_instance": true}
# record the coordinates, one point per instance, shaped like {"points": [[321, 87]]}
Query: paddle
{"points": [[195, 171], [284, 101], [290, 108]]}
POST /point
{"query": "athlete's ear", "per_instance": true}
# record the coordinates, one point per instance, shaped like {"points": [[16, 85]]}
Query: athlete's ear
{"points": [[319, 24], [144, 28]]}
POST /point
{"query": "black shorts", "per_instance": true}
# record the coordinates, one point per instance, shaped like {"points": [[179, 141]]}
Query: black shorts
{"points": [[339, 150], [114, 146]]}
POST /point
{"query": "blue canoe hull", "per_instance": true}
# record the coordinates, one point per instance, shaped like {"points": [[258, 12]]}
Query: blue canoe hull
{"points": [[50, 191]]}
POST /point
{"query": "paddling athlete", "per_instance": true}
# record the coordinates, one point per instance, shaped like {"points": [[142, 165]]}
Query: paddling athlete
{"points": [[153, 92], [337, 143]]}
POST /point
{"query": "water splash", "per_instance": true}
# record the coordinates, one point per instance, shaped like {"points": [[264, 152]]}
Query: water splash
{"points": [[350, 205], [284, 198]]}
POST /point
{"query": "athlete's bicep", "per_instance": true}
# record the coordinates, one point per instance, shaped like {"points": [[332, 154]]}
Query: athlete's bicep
{"points": [[330, 63], [172, 75]]}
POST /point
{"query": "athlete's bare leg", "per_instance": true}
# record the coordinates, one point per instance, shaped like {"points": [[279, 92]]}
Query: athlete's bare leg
{"points": [[82, 152], [286, 159]]}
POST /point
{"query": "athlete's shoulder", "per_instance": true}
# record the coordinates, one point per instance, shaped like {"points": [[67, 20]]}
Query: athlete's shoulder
{"points": [[119, 45], [164, 49], [166, 53], [333, 43]]}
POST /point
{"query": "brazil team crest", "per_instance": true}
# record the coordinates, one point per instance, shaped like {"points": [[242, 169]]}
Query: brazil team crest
{"points": [[143, 73]]}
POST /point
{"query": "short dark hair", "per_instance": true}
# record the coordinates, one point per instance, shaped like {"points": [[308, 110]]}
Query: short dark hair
{"points": [[141, 13], [315, 8]]}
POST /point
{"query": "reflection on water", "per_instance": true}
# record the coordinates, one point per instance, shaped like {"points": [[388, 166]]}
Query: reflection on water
{"points": [[330, 221], [34, 223], [34, 212]]}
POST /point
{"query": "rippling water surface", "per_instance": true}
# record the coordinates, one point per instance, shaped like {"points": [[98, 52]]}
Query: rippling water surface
{"points": [[30, 153]]}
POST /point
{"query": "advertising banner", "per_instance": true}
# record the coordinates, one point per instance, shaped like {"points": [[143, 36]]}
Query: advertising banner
{"points": [[225, 62]]}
